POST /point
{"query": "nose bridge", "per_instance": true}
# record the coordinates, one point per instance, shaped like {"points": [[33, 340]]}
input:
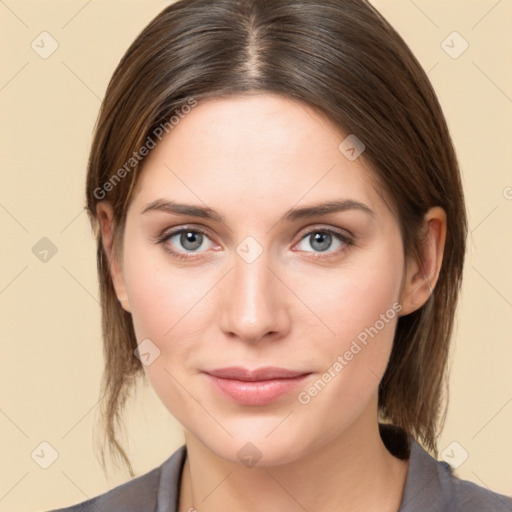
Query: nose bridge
{"points": [[255, 305]]}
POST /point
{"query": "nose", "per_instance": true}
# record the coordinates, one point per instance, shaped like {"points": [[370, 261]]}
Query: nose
{"points": [[255, 306]]}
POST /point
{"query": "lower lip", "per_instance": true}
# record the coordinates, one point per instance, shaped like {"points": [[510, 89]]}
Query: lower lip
{"points": [[258, 392]]}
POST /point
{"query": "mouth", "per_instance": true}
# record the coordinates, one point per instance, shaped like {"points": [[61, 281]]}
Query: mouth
{"points": [[260, 386]]}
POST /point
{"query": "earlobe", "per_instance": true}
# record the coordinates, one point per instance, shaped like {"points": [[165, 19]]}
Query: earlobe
{"points": [[423, 270], [104, 214]]}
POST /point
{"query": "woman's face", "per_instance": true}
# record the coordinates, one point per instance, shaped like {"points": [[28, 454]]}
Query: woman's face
{"points": [[257, 281]]}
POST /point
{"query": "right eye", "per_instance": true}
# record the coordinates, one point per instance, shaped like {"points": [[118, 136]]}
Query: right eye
{"points": [[179, 242]]}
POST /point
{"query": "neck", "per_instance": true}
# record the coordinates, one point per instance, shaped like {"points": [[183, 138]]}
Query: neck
{"points": [[353, 472]]}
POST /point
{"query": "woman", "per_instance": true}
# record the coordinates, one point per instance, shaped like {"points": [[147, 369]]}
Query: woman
{"points": [[281, 235]]}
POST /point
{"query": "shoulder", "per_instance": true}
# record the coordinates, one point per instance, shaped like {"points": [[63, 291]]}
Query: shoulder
{"points": [[470, 497], [140, 493], [432, 485]]}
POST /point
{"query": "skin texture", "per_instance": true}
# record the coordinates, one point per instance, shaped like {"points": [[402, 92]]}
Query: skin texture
{"points": [[252, 159]]}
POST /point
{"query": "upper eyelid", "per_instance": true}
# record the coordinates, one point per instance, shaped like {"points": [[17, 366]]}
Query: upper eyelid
{"points": [[338, 231]]}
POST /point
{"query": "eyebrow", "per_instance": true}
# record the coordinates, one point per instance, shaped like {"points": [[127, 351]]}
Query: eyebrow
{"points": [[291, 215]]}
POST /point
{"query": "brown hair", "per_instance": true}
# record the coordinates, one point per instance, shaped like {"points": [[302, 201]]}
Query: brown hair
{"points": [[342, 58]]}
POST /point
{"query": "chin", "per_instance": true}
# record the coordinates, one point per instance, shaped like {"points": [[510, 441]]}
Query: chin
{"points": [[259, 447]]}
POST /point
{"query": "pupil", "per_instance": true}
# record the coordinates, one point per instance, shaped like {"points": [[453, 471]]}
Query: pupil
{"points": [[190, 240], [323, 241]]}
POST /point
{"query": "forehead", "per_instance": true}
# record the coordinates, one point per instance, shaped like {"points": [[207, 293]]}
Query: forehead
{"points": [[263, 149]]}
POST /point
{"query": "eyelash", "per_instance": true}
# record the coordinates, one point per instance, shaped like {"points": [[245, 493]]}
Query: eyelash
{"points": [[348, 242]]}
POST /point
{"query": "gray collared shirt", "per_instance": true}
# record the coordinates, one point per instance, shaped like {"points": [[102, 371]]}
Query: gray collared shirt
{"points": [[430, 486]]}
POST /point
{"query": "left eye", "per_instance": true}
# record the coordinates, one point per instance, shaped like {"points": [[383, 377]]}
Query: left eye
{"points": [[321, 241]]}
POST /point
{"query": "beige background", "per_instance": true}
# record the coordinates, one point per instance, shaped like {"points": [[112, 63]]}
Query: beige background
{"points": [[51, 348]]}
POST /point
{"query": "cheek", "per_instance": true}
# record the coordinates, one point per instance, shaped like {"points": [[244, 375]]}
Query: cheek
{"points": [[162, 299], [360, 307], [170, 305], [354, 298], [161, 294]]}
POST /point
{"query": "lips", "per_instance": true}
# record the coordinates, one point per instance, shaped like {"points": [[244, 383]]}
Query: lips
{"points": [[260, 386]]}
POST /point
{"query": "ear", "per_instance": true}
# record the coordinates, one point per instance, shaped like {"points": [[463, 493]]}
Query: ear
{"points": [[105, 217], [423, 269]]}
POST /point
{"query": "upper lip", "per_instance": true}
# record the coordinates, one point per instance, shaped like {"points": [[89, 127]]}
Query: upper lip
{"points": [[257, 374]]}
